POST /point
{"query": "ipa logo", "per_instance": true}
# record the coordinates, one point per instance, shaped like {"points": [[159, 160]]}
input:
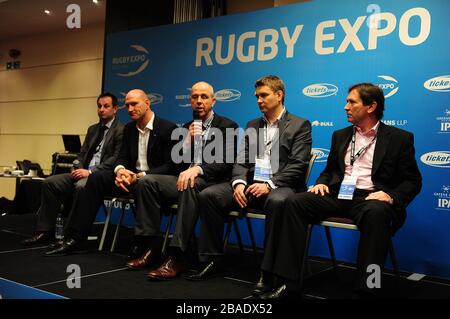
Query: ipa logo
{"points": [[437, 159], [438, 84], [320, 90], [443, 198]]}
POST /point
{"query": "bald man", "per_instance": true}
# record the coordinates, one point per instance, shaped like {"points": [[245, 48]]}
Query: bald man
{"points": [[146, 149], [209, 130]]}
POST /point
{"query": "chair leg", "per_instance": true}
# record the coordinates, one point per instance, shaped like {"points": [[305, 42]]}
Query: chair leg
{"points": [[252, 238], [394, 259], [305, 255], [166, 235], [108, 213], [116, 233], [238, 235], [226, 238], [331, 247]]}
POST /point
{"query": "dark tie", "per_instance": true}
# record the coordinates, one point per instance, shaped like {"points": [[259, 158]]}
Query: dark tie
{"points": [[95, 147]]}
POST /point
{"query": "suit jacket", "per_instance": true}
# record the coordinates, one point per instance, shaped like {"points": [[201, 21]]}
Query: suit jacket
{"points": [[158, 148], [394, 169], [293, 143], [111, 146], [218, 170]]}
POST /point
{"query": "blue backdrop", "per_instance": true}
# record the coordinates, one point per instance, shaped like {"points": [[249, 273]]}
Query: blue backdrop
{"points": [[319, 49]]}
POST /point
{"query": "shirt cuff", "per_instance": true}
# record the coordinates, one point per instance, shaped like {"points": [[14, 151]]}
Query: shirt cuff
{"points": [[117, 168], [238, 181], [201, 171], [272, 185]]}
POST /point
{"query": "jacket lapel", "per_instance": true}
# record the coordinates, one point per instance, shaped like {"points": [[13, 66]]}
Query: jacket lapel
{"points": [[342, 147], [153, 135], [383, 138], [108, 137]]}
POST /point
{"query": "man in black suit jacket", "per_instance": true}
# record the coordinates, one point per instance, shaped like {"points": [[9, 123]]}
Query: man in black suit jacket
{"points": [[145, 150], [208, 131], [98, 153], [285, 140], [381, 160]]}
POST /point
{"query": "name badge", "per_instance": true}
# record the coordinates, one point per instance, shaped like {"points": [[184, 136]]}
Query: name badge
{"points": [[347, 187], [263, 170]]}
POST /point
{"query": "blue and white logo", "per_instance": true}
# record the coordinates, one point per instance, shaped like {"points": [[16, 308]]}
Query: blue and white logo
{"points": [[322, 124], [443, 198], [320, 90], [438, 84], [444, 122], [184, 100], [389, 86], [134, 64], [321, 153], [437, 159], [228, 95], [155, 98], [395, 122]]}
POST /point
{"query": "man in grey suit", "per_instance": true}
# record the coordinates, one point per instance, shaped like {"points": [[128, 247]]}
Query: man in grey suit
{"points": [[98, 152], [283, 143]]}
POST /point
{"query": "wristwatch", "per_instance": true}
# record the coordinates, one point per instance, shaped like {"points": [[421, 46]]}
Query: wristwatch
{"points": [[268, 186], [140, 175]]}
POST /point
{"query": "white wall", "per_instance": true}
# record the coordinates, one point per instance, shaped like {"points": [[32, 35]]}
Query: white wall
{"points": [[53, 93]]}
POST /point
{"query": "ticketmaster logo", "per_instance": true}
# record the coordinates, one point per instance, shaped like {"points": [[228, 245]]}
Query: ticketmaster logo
{"points": [[437, 159], [320, 90], [321, 153], [228, 95], [155, 98], [438, 84]]}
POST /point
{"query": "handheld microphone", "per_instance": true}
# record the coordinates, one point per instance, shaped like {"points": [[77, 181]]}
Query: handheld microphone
{"points": [[197, 138]]}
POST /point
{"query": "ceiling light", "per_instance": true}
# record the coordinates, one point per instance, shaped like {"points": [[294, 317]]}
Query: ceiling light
{"points": [[47, 12], [95, 1]]}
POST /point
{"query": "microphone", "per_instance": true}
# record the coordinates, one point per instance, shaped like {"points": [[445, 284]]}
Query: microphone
{"points": [[197, 138], [76, 164]]}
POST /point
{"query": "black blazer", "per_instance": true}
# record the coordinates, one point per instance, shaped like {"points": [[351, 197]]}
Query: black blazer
{"points": [[394, 169], [158, 149], [217, 171], [294, 145], [111, 146]]}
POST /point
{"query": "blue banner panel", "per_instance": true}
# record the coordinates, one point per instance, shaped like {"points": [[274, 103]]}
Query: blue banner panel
{"points": [[319, 49]]}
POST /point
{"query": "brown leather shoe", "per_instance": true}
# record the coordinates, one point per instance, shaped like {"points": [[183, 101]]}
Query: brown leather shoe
{"points": [[146, 259], [170, 269]]}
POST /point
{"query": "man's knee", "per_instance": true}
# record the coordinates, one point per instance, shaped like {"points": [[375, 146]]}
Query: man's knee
{"points": [[377, 213]]}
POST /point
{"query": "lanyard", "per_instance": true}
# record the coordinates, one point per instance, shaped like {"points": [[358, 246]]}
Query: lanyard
{"points": [[353, 156], [267, 143]]}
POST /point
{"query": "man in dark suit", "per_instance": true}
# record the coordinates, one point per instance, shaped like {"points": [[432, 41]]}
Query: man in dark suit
{"points": [[146, 148], [375, 164], [98, 153], [283, 142], [208, 131]]}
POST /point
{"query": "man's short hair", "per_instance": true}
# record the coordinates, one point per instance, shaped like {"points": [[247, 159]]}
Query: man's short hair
{"points": [[273, 82], [112, 96], [370, 93]]}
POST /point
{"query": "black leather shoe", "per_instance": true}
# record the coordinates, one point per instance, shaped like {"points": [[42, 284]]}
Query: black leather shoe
{"points": [[56, 244], [213, 269], [38, 239], [70, 246], [262, 285], [281, 292]]}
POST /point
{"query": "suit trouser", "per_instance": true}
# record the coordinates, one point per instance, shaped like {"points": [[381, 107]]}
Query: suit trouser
{"points": [[216, 202], [156, 192], [56, 190], [285, 252]]}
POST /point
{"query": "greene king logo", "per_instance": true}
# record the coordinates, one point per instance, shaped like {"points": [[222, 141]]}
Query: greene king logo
{"points": [[137, 62], [389, 87], [437, 159], [438, 84], [228, 95], [321, 153], [443, 198], [320, 90], [444, 122]]}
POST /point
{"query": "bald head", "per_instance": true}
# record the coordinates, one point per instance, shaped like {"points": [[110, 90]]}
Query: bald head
{"points": [[203, 99], [138, 106]]}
